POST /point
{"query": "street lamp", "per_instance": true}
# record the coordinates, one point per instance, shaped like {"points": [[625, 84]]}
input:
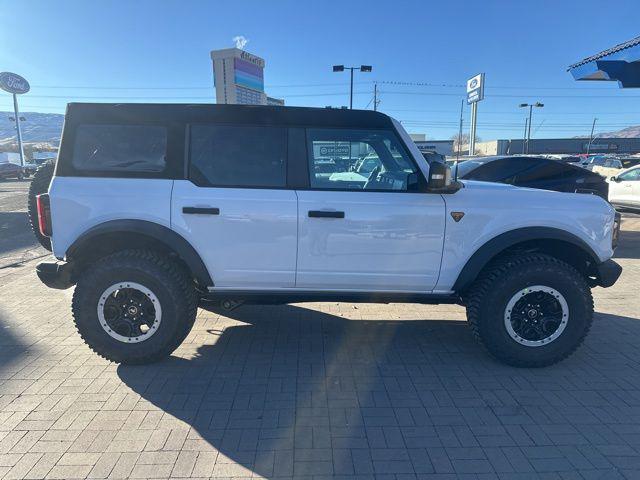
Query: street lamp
{"points": [[530, 105], [342, 68]]}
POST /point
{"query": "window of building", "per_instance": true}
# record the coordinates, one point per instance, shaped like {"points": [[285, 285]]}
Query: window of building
{"points": [[120, 148], [238, 156], [358, 160]]}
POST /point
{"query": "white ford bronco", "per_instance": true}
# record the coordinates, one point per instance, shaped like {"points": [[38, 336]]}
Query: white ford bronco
{"points": [[155, 209]]}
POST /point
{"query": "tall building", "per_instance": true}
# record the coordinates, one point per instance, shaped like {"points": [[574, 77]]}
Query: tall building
{"points": [[239, 78]]}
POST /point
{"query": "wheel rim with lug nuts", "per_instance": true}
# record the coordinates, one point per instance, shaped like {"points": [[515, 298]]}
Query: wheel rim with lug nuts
{"points": [[129, 312], [536, 315]]}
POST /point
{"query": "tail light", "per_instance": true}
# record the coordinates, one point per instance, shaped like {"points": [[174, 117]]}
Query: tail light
{"points": [[44, 214]]}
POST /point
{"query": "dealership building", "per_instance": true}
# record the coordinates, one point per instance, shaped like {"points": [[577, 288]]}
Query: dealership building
{"points": [[621, 146], [238, 78]]}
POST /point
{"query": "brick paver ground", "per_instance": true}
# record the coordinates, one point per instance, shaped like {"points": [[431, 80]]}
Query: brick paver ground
{"points": [[317, 391]]}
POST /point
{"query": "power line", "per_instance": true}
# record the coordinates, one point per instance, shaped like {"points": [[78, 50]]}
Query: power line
{"points": [[179, 87], [311, 85], [611, 97]]}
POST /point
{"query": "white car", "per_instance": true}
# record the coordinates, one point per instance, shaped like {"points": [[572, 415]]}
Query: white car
{"points": [[607, 167], [155, 209], [624, 188]]}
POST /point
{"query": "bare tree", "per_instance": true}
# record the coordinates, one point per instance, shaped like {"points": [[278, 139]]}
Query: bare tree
{"points": [[462, 142]]}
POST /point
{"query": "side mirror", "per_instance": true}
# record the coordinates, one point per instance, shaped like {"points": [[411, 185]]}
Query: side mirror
{"points": [[439, 176]]}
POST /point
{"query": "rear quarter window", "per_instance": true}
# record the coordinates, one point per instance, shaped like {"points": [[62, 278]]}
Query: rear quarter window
{"points": [[120, 149]]}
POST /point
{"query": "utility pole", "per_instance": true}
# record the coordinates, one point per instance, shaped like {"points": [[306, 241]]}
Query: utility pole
{"points": [[375, 97], [593, 126], [460, 131], [524, 135], [351, 92], [529, 130]]}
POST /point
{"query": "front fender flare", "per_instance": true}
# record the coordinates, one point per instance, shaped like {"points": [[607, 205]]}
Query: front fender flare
{"points": [[483, 255]]}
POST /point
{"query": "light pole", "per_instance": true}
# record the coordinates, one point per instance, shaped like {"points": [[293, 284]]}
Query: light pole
{"points": [[342, 68], [530, 105], [591, 139]]}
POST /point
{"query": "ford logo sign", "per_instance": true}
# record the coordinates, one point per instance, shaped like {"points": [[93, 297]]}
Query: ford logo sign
{"points": [[474, 83], [13, 83]]}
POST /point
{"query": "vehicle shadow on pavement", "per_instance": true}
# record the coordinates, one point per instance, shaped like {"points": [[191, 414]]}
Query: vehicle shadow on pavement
{"points": [[296, 392], [629, 246], [15, 231], [12, 350]]}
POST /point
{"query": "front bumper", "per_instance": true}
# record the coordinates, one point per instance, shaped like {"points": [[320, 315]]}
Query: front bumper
{"points": [[608, 273], [55, 275]]}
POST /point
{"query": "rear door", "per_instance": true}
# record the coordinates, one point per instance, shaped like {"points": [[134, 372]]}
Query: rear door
{"points": [[366, 230], [235, 207]]}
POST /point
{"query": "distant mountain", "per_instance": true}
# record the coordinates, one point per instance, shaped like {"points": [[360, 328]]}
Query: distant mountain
{"points": [[45, 129], [37, 127], [629, 132]]}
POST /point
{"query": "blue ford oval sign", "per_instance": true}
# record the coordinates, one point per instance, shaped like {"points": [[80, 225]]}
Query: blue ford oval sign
{"points": [[13, 83]]}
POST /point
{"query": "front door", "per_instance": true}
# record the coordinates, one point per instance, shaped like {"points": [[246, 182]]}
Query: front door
{"points": [[235, 208], [360, 225], [625, 190]]}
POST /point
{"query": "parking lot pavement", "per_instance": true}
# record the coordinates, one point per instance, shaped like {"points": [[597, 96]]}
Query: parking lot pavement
{"points": [[326, 390], [17, 243]]}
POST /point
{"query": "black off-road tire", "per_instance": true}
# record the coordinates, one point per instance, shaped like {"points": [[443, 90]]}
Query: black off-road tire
{"points": [[168, 280], [488, 298], [39, 184]]}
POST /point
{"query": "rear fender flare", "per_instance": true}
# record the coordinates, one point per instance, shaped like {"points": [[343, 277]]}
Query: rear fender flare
{"points": [[90, 240]]}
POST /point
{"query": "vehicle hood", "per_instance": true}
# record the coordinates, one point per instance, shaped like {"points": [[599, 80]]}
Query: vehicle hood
{"points": [[535, 197], [480, 185]]}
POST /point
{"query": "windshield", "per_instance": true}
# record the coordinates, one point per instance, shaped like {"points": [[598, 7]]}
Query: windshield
{"points": [[413, 148], [467, 166]]}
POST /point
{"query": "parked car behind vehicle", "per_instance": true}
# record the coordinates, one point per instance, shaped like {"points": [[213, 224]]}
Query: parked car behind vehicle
{"points": [[11, 170], [534, 172], [29, 169], [624, 188], [607, 167]]}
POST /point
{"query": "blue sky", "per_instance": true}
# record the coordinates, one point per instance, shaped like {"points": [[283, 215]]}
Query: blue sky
{"points": [[154, 51]]}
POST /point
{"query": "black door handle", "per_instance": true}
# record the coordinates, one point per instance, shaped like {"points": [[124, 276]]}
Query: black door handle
{"points": [[325, 214], [201, 210]]}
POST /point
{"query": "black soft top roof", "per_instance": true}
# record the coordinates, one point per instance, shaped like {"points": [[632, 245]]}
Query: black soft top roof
{"points": [[213, 113]]}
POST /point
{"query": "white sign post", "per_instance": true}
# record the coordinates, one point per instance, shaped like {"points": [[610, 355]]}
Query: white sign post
{"points": [[16, 85], [475, 93]]}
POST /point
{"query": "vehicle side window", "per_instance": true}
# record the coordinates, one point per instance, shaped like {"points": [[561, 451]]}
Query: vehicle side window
{"points": [[343, 159], [500, 170], [631, 175], [238, 156], [542, 171], [120, 148]]}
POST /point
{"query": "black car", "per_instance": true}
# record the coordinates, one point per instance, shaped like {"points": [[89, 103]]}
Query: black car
{"points": [[534, 172], [11, 170]]}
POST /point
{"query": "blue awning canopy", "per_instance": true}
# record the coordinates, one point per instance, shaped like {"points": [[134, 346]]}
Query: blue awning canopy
{"points": [[620, 63]]}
